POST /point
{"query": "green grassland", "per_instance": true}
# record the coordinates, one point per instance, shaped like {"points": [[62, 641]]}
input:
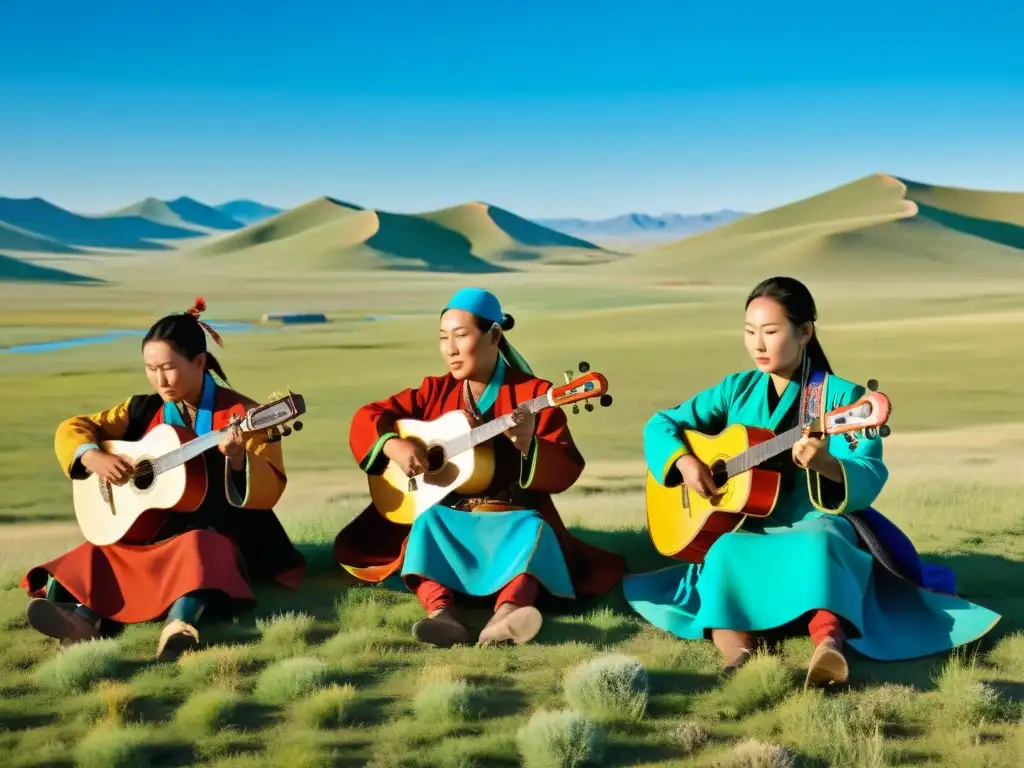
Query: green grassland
{"points": [[332, 676]]}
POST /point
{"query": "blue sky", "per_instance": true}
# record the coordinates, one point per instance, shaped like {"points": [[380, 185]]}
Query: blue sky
{"points": [[558, 108]]}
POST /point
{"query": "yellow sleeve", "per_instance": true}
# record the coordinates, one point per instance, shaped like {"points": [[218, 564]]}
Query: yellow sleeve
{"points": [[79, 434], [265, 478]]}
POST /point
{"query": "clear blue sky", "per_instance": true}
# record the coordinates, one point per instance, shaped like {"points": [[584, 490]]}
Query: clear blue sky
{"points": [[555, 108]]}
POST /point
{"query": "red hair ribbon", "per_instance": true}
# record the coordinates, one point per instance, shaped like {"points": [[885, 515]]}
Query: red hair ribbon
{"points": [[198, 308]]}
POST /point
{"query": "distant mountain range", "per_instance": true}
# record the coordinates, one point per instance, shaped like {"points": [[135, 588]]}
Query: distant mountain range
{"points": [[626, 225], [892, 224], [640, 224]]}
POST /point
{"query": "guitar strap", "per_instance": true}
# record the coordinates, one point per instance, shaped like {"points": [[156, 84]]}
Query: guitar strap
{"points": [[812, 404]]}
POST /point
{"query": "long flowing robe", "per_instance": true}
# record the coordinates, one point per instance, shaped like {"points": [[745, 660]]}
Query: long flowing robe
{"points": [[233, 539], [823, 546], [476, 553]]}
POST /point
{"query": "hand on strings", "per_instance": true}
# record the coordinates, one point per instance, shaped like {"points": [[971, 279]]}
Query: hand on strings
{"points": [[410, 457], [521, 433], [811, 452], [697, 476], [116, 470], [233, 447]]}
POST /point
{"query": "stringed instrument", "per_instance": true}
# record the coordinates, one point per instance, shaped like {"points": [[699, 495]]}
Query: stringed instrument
{"points": [[168, 472], [682, 525], [459, 456]]}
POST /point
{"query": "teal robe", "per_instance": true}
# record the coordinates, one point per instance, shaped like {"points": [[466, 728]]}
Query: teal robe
{"points": [[805, 556]]}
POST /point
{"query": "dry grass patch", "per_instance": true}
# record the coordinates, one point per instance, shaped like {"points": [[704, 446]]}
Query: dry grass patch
{"points": [[561, 738], [290, 679], [78, 667], [609, 687], [327, 708], [442, 696]]}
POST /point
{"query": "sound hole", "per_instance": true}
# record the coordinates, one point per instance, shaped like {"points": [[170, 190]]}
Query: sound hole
{"points": [[143, 479], [436, 458], [719, 474]]}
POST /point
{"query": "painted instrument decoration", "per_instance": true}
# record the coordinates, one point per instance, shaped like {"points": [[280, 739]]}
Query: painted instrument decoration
{"points": [[459, 455], [682, 525], [168, 471]]}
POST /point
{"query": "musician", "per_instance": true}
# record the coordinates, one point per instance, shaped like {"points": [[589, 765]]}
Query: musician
{"points": [[509, 544], [810, 564], [171, 565]]}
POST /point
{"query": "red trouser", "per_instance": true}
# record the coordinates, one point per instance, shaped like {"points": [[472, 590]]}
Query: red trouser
{"points": [[824, 624], [522, 590]]}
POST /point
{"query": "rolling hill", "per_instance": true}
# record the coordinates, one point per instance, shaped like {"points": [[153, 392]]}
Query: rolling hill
{"points": [[247, 211], [18, 270], [131, 232], [14, 238], [182, 212], [330, 234], [898, 228]]}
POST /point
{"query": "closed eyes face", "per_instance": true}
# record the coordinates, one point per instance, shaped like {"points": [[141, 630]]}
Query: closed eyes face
{"points": [[773, 342], [171, 375]]}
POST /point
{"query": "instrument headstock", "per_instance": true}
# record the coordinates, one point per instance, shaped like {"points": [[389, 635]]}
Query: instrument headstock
{"points": [[869, 415], [584, 387], [277, 413]]}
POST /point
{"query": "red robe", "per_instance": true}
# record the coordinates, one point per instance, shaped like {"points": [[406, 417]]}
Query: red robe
{"points": [[221, 546], [372, 547]]}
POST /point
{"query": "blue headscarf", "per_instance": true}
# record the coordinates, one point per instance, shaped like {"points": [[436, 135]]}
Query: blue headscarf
{"points": [[485, 304]]}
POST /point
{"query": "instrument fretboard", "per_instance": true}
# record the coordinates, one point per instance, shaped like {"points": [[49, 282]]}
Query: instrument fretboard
{"points": [[754, 455]]}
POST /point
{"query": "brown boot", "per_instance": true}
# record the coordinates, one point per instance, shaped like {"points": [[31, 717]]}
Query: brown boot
{"points": [[511, 623], [736, 648], [440, 628], [828, 664], [55, 620], [176, 638]]}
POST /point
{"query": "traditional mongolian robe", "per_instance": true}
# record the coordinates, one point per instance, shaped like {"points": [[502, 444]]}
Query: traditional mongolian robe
{"points": [[479, 552], [823, 547], [233, 539]]}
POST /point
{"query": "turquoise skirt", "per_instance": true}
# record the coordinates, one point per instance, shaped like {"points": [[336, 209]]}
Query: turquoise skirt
{"points": [[478, 553], [755, 581]]}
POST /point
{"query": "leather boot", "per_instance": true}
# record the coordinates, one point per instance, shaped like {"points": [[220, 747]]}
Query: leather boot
{"points": [[441, 629], [828, 664], [60, 621], [511, 623], [736, 648], [176, 638]]}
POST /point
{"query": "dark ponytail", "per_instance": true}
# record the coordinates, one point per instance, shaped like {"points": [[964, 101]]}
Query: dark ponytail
{"points": [[186, 334], [798, 304]]}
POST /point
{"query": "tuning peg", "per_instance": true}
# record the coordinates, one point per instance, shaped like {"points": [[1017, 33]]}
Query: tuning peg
{"points": [[884, 431], [588, 407], [870, 433], [286, 431], [606, 400], [568, 376], [276, 438], [873, 385], [298, 426], [575, 408], [584, 367]]}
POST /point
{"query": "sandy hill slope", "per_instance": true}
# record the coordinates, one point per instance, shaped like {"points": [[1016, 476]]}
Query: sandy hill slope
{"points": [[41, 217], [328, 234], [14, 238], [19, 270], [879, 222], [183, 212]]}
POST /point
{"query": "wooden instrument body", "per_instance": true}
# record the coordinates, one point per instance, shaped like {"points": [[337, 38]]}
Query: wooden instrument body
{"points": [[106, 513], [468, 472], [681, 524]]}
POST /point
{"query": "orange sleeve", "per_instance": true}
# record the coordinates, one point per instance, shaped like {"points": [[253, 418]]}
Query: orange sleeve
{"points": [[374, 424], [79, 434], [553, 463]]}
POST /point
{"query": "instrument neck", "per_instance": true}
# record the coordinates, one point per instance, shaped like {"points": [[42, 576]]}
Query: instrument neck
{"points": [[188, 451], [493, 428], [761, 452]]}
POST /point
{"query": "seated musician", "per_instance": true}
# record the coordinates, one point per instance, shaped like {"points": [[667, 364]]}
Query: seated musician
{"points": [[509, 543], [171, 565], [824, 561]]}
